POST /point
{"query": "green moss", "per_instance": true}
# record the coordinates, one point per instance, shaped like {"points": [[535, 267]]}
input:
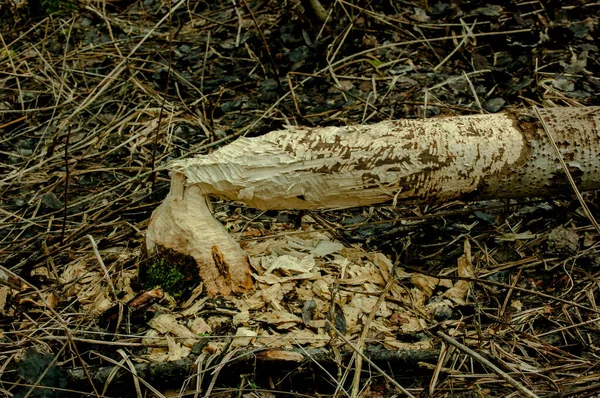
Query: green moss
{"points": [[165, 274], [176, 273]]}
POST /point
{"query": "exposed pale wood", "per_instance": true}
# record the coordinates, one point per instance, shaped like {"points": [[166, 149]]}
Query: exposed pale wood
{"points": [[478, 157], [410, 161], [184, 223]]}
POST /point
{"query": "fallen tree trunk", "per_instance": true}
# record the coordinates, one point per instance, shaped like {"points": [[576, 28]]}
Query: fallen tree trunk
{"points": [[410, 161]]}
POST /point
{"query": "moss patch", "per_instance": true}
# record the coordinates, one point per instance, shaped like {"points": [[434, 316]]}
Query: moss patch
{"points": [[166, 275], [174, 273]]}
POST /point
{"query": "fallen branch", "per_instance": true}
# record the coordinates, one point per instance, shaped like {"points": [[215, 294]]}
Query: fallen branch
{"points": [[410, 161]]}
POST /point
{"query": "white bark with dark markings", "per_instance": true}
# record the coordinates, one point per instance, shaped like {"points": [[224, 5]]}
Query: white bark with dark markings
{"points": [[405, 161]]}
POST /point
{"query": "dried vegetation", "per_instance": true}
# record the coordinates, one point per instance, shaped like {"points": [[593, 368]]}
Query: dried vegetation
{"points": [[493, 298]]}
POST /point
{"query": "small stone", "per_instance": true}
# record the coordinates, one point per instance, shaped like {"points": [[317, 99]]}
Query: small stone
{"points": [[494, 105], [563, 241]]}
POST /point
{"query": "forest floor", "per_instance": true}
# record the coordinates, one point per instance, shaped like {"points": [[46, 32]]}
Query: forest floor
{"points": [[485, 299]]}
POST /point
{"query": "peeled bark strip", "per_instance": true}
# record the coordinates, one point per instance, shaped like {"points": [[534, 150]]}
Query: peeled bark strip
{"points": [[410, 161]]}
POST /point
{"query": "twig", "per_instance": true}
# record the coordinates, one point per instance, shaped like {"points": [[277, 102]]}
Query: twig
{"points": [[267, 48], [112, 76], [64, 224], [320, 366], [164, 99], [468, 34], [487, 363], [14, 68], [133, 370], [291, 86], [9, 280], [505, 286], [584, 206], [60, 320], [204, 62], [368, 360], [101, 262], [363, 336], [34, 387], [474, 92], [444, 350], [135, 375]]}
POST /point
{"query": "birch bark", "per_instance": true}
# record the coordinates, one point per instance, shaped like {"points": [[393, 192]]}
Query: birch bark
{"points": [[405, 161]]}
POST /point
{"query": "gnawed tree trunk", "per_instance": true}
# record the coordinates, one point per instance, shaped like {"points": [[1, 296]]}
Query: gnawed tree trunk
{"points": [[184, 223], [410, 161]]}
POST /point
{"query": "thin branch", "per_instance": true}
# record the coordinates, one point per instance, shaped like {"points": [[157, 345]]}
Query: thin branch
{"points": [[487, 363], [267, 48], [369, 361], [584, 206], [64, 224], [164, 100]]}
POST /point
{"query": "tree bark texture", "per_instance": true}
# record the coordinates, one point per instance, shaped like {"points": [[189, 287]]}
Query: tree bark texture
{"points": [[425, 160], [410, 161]]}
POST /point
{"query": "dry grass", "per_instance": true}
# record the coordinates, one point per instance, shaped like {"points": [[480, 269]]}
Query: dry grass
{"points": [[92, 107]]}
